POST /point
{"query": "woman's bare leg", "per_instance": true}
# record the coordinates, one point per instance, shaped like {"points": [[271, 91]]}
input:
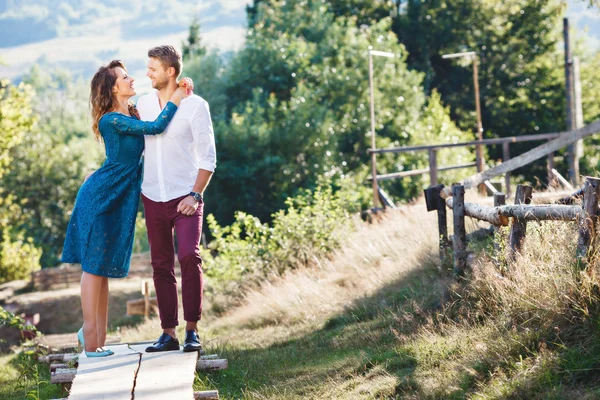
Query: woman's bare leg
{"points": [[91, 286], [102, 314]]}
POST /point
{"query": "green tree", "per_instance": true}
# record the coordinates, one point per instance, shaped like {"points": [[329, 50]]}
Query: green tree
{"points": [[18, 255], [521, 82], [49, 165], [193, 47], [298, 104]]}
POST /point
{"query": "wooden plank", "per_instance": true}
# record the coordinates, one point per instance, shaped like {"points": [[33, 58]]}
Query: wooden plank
{"points": [[207, 395], [511, 139], [211, 365], [414, 172], [63, 375], [563, 140], [163, 375], [109, 377]]}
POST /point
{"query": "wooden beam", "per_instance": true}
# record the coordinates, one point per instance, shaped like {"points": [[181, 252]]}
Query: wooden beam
{"points": [[413, 172], [63, 375], [481, 212], [536, 153], [58, 357], [541, 212], [211, 365], [207, 395], [511, 139]]}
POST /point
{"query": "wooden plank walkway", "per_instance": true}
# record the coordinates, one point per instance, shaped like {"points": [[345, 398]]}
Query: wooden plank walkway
{"points": [[133, 374]]}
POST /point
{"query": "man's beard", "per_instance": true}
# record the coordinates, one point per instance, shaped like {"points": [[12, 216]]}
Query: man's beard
{"points": [[160, 84]]}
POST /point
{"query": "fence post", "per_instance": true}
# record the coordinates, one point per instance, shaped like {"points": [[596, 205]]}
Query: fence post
{"points": [[433, 167], [499, 200], [460, 234], [519, 227], [442, 226], [587, 220], [505, 158]]}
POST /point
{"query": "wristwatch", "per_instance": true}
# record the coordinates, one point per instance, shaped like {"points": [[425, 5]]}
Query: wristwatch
{"points": [[197, 196]]}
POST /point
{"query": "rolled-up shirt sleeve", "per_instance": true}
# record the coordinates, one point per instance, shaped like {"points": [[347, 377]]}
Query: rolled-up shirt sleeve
{"points": [[204, 138]]}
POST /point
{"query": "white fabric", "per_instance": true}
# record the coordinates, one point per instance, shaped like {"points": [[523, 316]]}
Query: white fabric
{"points": [[173, 158]]}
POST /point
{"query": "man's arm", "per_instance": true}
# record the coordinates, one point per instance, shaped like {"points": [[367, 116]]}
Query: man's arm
{"points": [[188, 205], [204, 141]]}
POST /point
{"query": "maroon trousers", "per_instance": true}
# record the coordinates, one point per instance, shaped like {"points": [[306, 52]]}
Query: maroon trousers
{"points": [[161, 219]]}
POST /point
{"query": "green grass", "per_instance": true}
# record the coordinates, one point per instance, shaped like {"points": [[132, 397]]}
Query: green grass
{"points": [[23, 377]]}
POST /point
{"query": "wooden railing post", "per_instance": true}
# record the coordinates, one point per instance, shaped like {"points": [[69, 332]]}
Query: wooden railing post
{"points": [[499, 200], [435, 202], [460, 234], [588, 219], [433, 167], [505, 158], [442, 226], [519, 226]]}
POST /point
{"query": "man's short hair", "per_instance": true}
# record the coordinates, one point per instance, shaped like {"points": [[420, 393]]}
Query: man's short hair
{"points": [[168, 56]]}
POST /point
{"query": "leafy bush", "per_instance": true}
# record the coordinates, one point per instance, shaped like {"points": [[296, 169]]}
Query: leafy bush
{"points": [[19, 257], [309, 228]]}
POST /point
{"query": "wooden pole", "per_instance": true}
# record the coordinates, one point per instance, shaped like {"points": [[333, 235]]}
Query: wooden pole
{"points": [[433, 167], [146, 300], [519, 226], [373, 142], [460, 240], [578, 110], [499, 200], [571, 155], [442, 226], [479, 157], [505, 158], [588, 219]]}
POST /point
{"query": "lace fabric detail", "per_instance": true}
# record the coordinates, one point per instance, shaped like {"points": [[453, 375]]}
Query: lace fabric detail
{"points": [[100, 232]]}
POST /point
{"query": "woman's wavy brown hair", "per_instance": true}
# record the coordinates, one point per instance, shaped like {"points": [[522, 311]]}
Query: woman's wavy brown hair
{"points": [[102, 99]]}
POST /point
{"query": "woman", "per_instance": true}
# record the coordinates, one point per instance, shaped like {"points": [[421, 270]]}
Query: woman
{"points": [[100, 233]]}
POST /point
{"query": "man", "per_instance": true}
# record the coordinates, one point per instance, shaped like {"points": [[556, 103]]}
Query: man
{"points": [[178, 166]]}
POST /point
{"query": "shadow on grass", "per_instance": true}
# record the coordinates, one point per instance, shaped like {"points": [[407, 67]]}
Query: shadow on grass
{"points": [[367, 338], [351, 344]]}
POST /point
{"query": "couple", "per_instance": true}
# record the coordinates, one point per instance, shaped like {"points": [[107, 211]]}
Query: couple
{"points": [[172, 127]]}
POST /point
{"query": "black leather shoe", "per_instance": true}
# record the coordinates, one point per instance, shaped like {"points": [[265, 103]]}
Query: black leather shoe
{"points": [[164, 343], [192, 342]]}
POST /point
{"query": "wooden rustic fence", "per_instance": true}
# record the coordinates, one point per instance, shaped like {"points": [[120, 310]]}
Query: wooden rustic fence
{"points": [[440, 197], [519, 213]]}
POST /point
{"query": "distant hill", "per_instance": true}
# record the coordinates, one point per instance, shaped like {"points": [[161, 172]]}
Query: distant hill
{"points": [[81, 35]]}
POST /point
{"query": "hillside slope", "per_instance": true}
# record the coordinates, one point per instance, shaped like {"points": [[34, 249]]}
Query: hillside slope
{"points": [[382, 319]]}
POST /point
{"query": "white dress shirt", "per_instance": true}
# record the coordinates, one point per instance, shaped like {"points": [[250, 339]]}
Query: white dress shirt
{"points": [[173, 158]]}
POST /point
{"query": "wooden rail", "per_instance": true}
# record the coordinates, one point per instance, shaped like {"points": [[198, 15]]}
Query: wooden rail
{"points": [[433, 149], [520, 213], [555, 141]]}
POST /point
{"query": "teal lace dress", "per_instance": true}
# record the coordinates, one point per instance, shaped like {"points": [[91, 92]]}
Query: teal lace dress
{"points": [[100, 232]]}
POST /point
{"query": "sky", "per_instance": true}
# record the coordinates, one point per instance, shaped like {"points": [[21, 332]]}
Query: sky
{"points": [[83, 47], [96, 32]]}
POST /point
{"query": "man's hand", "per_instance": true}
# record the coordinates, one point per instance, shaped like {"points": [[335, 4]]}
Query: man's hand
{"points": [[187, 206]]}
